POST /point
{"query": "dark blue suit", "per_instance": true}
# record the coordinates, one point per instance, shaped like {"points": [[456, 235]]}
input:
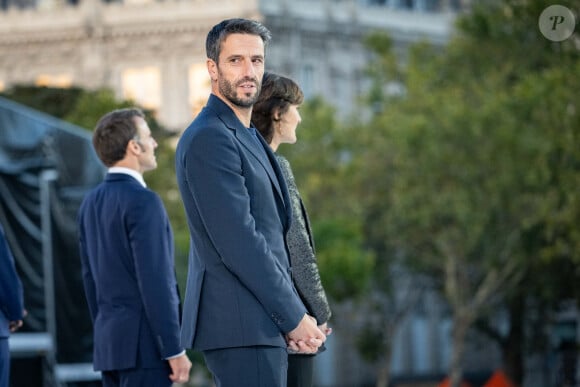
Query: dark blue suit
{"points": [[11, 304], [126, 247], [239, 288]]}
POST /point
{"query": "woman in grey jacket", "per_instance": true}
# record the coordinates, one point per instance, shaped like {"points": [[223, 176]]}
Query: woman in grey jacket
{"points": [[276, 117]]}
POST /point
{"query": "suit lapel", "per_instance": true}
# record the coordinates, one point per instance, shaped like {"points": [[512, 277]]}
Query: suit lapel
{"points": [[265, 155], [253, 145]]}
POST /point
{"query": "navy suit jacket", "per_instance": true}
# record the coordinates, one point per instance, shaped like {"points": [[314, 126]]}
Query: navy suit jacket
{"points": [[239, 287], [11, 299], [128, 270]]}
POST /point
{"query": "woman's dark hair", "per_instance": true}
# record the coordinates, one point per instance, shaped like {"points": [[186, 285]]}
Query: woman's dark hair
{"points": [[113, 132], [220, 32], [276, 96]]}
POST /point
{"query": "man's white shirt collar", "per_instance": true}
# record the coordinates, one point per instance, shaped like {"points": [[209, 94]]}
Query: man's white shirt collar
{"points": [[130, 172]]}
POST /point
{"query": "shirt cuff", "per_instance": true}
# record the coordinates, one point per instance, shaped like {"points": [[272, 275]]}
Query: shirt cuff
{"points": [[174, 356]]}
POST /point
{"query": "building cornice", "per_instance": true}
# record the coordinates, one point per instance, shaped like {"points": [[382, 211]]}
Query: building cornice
{"points": [[95, 20]]}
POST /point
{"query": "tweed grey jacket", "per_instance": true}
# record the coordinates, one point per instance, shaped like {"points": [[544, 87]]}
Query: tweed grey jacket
{"points": [[302, 254]]}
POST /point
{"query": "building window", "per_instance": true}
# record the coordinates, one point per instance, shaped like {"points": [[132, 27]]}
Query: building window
{"points": [[199, 87], [54, 80], [143, 85]]}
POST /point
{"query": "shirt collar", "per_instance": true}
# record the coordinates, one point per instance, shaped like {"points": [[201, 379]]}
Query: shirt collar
{"points": [[130, 172]]}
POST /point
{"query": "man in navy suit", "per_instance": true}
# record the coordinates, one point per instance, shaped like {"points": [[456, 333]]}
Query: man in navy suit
{"points": [[126, 247], [11, 306], [241, 309]]}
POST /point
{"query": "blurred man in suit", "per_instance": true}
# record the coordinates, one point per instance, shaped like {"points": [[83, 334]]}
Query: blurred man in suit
{"points": [[126, 245], [11, 306], [241, 309]]}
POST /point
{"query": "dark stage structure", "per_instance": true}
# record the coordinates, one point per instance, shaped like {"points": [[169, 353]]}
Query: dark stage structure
{"points": [[46, 166]]}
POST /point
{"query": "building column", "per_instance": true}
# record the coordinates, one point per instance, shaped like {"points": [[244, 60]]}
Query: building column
{"points": [[174, 90]]}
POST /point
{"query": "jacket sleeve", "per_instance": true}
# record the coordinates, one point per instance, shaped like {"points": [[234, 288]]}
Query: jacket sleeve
{"points": [[151, 241]]}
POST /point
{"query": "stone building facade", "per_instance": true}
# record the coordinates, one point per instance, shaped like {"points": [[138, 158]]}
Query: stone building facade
{"points": [[154, 51], [149, 51], [319, 43]]}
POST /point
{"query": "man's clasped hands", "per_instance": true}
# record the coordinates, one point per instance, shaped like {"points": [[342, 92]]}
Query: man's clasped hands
{"points": [[307, 337]]}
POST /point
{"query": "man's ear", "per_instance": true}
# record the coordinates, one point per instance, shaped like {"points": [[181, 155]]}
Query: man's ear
{"points": [[133, 147], [212, 70]]}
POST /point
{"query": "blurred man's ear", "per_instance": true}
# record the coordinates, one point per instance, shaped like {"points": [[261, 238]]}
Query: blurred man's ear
{"points": [[135, 146], [212, 70]]}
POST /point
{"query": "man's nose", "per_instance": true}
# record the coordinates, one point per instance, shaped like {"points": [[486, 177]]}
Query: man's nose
{"points": [[249, 69]]}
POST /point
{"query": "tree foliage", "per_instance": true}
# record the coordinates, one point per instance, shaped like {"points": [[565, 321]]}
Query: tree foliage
{"points": [[472, 170]]}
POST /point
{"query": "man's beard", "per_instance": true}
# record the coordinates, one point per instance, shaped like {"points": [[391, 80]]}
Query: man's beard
{"points": [[228, 90]]}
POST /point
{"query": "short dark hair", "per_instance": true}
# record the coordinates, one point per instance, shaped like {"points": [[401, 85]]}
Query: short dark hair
{"points": [[276, 95], [113, 132], [220, 32]]}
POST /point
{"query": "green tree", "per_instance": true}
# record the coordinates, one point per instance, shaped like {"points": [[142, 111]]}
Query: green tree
{"points": [[471, 173], [51, 100], [89, 106]]}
